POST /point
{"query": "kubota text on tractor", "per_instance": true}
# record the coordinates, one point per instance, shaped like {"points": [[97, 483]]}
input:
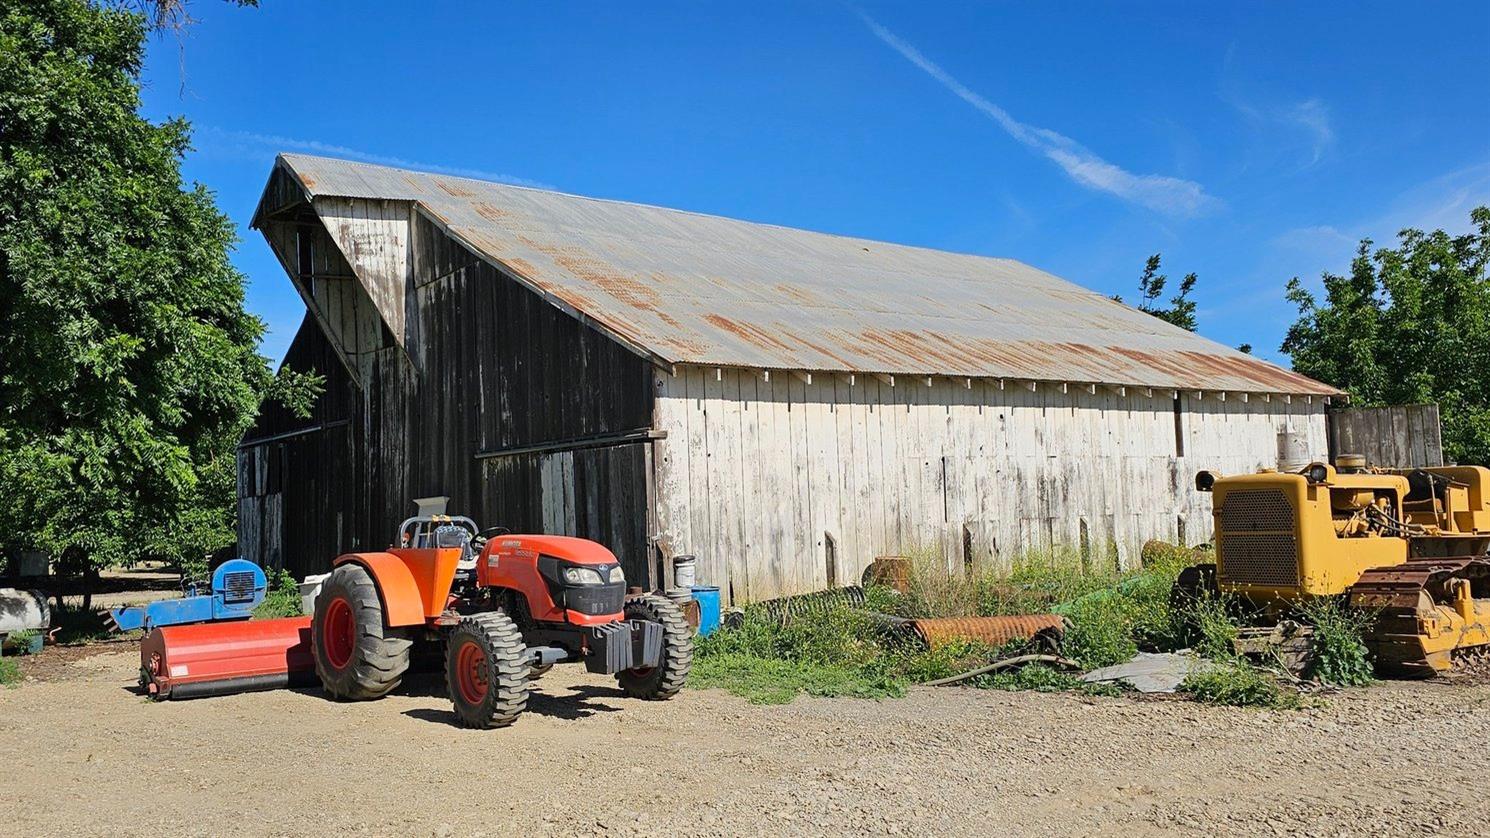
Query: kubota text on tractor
{"points": [[504, 607]]}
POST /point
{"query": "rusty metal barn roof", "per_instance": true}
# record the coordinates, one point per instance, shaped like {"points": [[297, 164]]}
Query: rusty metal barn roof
{"points": [[700, 289]]}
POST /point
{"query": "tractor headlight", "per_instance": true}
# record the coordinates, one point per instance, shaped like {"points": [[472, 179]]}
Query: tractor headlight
{"points": [[617, 575], [582, 576]]}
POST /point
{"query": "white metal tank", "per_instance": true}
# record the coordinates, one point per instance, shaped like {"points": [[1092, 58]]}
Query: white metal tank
{"points": [[23, 610], [1293, 450]]}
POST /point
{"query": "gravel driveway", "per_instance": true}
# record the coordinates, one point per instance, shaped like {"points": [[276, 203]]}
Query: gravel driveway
{"points": [[83, 754]]}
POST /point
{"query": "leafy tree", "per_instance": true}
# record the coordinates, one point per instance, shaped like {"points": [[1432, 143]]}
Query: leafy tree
{"points": [[1245, 349], [128, 366], [1151, 283], [1408, 324]]}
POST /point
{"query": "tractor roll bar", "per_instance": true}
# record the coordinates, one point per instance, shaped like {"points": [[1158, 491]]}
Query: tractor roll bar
{"points": [[413, 532]]}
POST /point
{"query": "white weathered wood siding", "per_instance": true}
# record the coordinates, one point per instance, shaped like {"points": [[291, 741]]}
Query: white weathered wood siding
{"points": [[353, 269], [756, 475], [373, 237]]}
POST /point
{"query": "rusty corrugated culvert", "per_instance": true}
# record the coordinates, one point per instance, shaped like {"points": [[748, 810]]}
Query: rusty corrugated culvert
{"points": [[784, 609], [994, 631]]}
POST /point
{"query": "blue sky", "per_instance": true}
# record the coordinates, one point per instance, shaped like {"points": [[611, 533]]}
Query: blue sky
{"points": [[1248, 142]]}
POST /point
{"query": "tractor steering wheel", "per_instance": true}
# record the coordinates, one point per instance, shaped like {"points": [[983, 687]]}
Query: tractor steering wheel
{"points": [[478, 541]]}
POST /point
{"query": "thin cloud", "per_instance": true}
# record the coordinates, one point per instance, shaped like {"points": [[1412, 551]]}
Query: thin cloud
{"points": [[1158, 192], [1440, 203], [1307, 120], [276, 143], [1313, 118]]}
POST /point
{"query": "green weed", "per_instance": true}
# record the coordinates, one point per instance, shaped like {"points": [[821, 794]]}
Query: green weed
{"points": [[1340, 655], [1131, 612], [838, 650], [914, 664], [834, 635], [282, 599], [1212, 626], [1101, 629], [1112, 614], [20, 641], [1234, 683], [1041, 678]]}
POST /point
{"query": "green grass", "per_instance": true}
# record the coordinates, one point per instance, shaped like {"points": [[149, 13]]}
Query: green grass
{"points": [[282, 599], [1211, 626], [761, 680], [840, 650], [10, 672], [1235, 683], [1032, 583], [837, 650], [1042, 678], [1112, 614], [1131, 612]]}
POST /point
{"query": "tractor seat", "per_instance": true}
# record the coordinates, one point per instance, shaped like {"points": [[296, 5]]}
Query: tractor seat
{"points": [[454, 536]]}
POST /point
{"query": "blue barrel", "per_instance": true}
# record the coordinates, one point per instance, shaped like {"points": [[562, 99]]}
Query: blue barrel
{"points": [[708, 607]]}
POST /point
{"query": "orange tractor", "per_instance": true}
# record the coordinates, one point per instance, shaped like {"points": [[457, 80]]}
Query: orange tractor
{"points": [[505, 607]]}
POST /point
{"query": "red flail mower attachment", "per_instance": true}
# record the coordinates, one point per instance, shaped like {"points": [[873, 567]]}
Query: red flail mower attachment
{"points": [[220, 658]]}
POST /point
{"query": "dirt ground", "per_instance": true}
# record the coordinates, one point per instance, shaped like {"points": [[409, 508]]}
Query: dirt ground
{"points": [[84, 754]]}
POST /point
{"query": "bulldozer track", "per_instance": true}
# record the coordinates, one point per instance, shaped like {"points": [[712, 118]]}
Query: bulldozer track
{"points": [[1393, 592]]}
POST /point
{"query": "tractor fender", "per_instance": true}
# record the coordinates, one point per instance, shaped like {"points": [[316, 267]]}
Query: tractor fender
{"points": [[402, 603]]}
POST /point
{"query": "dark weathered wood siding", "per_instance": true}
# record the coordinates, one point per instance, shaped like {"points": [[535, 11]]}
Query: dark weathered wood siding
{"points": [[1400, 436], [488, 368], [309, 467]]}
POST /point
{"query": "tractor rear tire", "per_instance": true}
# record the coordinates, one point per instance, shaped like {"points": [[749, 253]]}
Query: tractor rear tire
{"points": [[486, 670], [357, 656], [666, 679]]}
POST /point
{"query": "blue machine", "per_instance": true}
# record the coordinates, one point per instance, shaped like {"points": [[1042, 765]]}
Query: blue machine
{"points": [[237, 587]]}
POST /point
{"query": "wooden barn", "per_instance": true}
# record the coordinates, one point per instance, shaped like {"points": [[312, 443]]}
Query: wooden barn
{"points": [[785, 405]]}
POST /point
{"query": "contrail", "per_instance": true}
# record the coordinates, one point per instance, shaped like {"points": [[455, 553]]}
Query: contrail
{"points": [[1159, 192]]}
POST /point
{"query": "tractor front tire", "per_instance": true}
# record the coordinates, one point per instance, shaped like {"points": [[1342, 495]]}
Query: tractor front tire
{"points": [[357, 656], [486, 670], [666, 679]]}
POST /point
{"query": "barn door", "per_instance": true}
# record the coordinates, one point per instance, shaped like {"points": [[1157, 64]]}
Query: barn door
{"points": [[599, 494]]}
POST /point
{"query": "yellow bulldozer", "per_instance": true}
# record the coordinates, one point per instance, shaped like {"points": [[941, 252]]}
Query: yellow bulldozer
{"points": [[1407, 545]]}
